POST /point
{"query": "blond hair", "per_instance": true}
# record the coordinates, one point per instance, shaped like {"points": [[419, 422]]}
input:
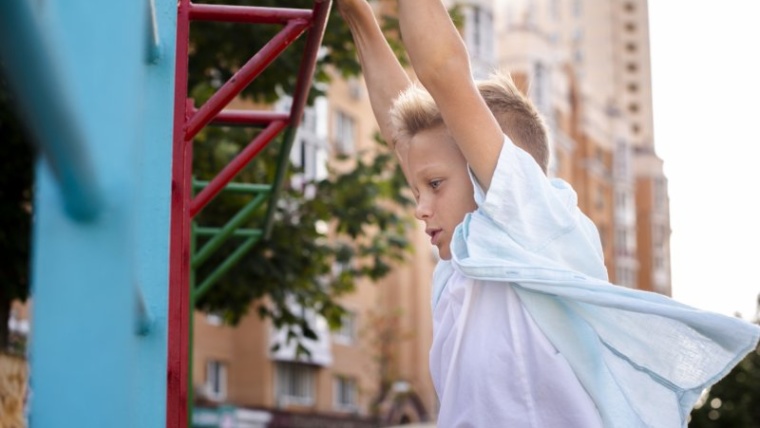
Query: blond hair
{"points": [[415, 110]]}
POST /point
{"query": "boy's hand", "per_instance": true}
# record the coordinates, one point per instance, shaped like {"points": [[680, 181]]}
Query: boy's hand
{"points": [[347, 7]]}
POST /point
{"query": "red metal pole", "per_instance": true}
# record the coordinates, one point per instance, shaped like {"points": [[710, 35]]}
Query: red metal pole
{"points": [[246, 14], [246, 117], [187, 123], [241, 160], [309, 60], [244, 76], [179, 244]]}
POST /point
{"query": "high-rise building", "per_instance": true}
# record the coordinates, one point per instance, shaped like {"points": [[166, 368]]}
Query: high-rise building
{"points": [[585, 64]]}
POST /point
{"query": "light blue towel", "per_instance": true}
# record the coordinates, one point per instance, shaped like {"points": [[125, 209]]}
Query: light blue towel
{"points": [[643, 357]]}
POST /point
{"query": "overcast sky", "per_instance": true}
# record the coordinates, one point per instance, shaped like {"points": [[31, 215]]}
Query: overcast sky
{"points": [[706, 83]]}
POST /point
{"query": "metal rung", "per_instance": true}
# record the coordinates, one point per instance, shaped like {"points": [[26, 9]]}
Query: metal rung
{"points": [[246, 14]]}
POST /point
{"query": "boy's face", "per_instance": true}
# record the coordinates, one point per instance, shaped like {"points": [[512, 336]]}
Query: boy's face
{"points": [[437, 172]]}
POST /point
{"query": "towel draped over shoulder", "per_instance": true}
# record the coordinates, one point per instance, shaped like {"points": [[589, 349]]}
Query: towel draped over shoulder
{"points": [[644, 358]]}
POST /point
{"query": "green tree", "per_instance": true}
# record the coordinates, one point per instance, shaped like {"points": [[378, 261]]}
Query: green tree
{"points": [[732, 402]]}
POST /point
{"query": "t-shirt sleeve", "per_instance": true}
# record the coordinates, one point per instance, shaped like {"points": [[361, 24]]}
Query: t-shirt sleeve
{"points": [[523, 202]]}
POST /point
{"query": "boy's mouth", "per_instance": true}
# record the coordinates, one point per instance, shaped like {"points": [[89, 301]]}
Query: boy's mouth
{"points": [[435, 235]]}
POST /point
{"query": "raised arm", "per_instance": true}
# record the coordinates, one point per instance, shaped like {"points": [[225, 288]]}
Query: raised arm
{"points": [[383, 75], [440, 60]]}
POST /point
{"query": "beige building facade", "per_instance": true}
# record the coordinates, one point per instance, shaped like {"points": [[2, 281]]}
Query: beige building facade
{"points": [[585, 64]]}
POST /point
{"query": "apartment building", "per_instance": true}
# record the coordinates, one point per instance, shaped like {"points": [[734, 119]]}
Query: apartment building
{"points": [[585, 63]]}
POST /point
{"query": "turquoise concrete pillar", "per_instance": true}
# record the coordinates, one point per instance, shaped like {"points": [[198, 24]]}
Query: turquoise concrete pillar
{"points": [[95, 362], [153, 215]]}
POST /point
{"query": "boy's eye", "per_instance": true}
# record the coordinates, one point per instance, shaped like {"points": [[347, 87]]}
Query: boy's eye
{"points": [[434, 184]]}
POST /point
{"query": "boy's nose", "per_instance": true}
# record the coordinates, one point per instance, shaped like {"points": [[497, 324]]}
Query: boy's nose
{"points": [[422, 211]]}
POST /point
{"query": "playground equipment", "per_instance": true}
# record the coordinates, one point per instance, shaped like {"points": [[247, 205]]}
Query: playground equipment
{"points": [[104, 86]]}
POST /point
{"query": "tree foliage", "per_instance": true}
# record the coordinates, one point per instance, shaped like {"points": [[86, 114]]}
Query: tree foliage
{"points": [[734, 401], [320, 246], [348, 228]]}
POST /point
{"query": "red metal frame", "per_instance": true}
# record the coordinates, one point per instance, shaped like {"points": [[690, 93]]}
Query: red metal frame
{"points": [[244, 76], [250, 15], [246, 117], [237, 164], [188, 122]]}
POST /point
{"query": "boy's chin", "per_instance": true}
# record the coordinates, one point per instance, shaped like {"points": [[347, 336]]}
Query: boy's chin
{"points": [[441, 254]]}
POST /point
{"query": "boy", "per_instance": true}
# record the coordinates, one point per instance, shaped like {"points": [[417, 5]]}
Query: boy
{"points": [[527, 330]]}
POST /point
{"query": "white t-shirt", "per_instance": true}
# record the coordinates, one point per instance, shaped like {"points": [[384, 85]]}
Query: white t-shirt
{"points": [[527, 265], [491, 365]]}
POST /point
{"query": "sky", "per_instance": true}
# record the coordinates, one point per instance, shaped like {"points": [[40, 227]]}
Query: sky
{"points": [[706, 96]]}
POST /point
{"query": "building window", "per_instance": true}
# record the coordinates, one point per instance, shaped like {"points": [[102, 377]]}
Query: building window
{"points": [[630, 47], [632, 87], [622, 160], [660, 194], [215, 319], [622, 242], [633, 107], [344, 393], [578, 56], [554, 9], [577, 8], [479, 33], [346, 335], [630, 27], [540, 87], [599, 202], [216, 380], [659, 260], [344, 133], [622, 277], [295, 384], [310, 148], [635, 128], [632, 67], [626, 277]]}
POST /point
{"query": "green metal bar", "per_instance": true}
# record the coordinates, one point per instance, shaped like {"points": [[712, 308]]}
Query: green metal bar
{"points": [[236, 187], [282, 165], [227, 230], [225, 266], [238, 233]]}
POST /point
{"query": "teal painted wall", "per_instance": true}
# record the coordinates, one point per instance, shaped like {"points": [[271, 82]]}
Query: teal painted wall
{"points": [[89, 367]]}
